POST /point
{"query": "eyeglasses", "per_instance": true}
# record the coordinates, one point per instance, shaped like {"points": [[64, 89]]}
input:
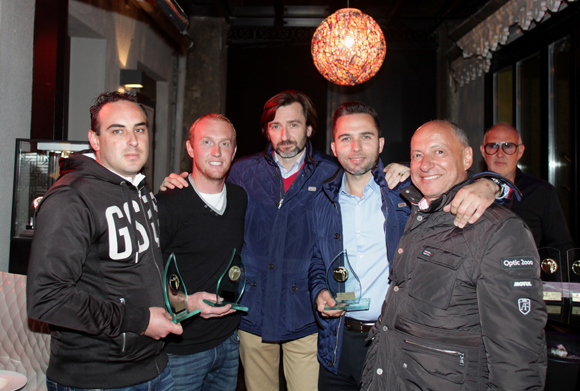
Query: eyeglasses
{"points": [[507, 148]]}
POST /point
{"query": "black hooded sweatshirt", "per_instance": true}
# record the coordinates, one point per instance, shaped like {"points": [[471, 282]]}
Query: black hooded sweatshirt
{"points": [[95, 269]]}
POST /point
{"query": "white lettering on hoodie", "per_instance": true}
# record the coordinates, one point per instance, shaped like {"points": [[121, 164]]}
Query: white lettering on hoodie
{"points": [[118, 233]]}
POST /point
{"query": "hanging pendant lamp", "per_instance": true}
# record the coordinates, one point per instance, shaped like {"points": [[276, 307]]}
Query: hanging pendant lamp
{"points": [[348, 47]]}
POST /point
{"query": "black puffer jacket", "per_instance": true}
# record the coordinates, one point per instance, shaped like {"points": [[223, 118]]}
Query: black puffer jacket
{"points": [[464, 310]]}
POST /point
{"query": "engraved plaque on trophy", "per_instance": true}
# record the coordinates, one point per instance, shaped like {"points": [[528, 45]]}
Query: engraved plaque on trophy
{"points": [[344, 285], [231, 284]]}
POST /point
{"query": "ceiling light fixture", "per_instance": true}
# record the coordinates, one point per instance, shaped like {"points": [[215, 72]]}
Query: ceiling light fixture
{"points": [[348, 47]]}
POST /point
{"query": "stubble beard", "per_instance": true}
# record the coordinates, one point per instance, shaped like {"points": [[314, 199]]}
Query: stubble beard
{"points": [[361, 170], [288, 154]]}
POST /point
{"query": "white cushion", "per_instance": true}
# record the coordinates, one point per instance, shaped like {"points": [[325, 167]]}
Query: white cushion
{"points": [[24, 343]]}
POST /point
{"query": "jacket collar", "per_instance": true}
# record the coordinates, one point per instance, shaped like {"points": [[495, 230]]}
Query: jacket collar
{"points": [[414, 196]]}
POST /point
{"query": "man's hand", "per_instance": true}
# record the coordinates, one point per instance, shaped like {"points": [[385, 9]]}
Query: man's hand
{"points": [[396, 173], [160, 324], [471, 201], [173, 180], [324, 298], [195, 301]]}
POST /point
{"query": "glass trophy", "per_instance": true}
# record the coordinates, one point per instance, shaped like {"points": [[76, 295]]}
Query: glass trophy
{"points": [[344, 285], [573, 258], [231, 284], [175, 292], [554, 276], [551, 265]]}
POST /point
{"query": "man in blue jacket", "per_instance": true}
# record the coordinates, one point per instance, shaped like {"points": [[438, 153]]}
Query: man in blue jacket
{"points": [[281, 183], [365, 218]]}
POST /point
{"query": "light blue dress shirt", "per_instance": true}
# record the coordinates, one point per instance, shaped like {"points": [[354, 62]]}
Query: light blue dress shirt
{"points": [[363, 235]]}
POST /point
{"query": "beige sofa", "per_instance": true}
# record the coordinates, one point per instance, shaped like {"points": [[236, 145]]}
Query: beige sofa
{"points": [[24, 343]]}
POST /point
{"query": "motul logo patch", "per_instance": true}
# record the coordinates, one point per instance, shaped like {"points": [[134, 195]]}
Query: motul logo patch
{"points": [[522, 284]]}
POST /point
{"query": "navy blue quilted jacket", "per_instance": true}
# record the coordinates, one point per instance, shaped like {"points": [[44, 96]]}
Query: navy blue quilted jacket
{"points": [[329, 243], [278, 243]]}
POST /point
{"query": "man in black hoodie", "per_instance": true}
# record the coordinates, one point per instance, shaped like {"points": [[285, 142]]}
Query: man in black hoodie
{"points": [[95, 271]]}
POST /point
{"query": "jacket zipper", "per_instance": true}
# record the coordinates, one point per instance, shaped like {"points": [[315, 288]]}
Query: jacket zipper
{"points": [[122, 300], [282, 187], [386, 222], [340, 246], [342, 317], [151, 237], [449, 352]]}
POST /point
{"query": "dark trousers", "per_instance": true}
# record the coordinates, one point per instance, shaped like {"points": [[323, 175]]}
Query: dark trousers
{"points": [[352, 358]]}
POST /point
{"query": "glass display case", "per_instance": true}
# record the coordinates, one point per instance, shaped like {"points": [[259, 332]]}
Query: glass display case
{"points": [[36, 169]]}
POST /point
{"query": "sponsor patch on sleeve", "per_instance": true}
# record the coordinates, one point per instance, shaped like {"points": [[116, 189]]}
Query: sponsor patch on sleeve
{"points": [[522, 284], [402, 204], [518, 263]]}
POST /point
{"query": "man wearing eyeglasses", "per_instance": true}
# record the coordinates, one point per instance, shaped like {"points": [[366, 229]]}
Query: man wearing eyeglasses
{"points": [[539, 207]]}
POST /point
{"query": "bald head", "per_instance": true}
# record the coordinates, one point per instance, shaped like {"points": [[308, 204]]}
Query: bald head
{"points": [[440, 157], [502, 148]]}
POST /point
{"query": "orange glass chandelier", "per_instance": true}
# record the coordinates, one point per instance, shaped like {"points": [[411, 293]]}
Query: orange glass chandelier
{"points": [[348, 47]]}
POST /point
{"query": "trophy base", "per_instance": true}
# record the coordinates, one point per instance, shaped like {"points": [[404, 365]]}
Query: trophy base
{"points": [[235, 306], [180, 318], [348, 305]]}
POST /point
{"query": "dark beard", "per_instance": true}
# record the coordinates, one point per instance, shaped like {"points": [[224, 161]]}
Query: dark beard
{"points": [[288, 154]]}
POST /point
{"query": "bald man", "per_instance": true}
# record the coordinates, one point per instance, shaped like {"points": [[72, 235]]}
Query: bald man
{"points": [[465, 307], [539, 207]]}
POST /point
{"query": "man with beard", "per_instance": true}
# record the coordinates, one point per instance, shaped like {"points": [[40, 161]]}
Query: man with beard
{"points": [[356, 212], [202, 225], [464, 309], [281, 184]]}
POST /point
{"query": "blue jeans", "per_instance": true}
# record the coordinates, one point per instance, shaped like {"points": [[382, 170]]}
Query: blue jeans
{"points": [[163, 382], [213, 370]]}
